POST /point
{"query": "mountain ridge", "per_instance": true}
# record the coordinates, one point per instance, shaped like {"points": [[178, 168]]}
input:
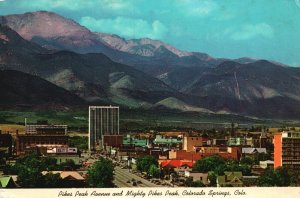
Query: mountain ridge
{"points": [[253, 88], [20, 88]]}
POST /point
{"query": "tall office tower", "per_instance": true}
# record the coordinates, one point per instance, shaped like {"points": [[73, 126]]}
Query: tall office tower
{"points": [[103, 120], [287, 150]]}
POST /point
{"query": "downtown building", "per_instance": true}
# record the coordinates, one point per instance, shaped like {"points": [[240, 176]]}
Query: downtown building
{"points": [[103, 121], [287, 150], [39, 138]]}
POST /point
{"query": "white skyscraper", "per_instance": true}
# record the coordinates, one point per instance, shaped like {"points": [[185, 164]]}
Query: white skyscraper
{"points": [[103, 120]]}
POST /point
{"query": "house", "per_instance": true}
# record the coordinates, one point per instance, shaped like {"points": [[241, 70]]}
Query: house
{"points": [[176, 163], [253, 151], [70, 178], [230, 179], [197, 176], [178, 166], [7, 182], [181, 170]]}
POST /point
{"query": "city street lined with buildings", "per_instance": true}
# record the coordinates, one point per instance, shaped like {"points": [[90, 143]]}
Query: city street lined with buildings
{"points": [[122, 176]]}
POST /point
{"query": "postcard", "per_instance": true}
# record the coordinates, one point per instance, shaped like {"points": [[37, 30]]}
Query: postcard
{"points": [[136, 98]]}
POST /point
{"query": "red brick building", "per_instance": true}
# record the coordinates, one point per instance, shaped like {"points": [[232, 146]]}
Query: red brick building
{"points": [[112, 140], [45, 136], [233, 153]]}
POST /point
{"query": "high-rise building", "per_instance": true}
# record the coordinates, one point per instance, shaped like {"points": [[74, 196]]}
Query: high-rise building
{"points": [[103, 120], [287, 150]]}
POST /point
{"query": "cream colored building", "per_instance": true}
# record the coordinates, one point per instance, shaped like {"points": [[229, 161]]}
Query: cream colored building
{"points": [[190, 142]]}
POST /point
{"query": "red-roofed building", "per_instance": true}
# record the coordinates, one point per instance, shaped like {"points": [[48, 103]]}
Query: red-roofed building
{"points": [[176, 163]]}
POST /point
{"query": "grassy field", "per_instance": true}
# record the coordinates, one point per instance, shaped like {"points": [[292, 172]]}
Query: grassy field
{"points": [[74, 119], [134, 120], [12, 128]]}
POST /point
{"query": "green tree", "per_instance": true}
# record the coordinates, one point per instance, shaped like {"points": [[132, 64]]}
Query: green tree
{"points": [[29, 177], [283, 177], [154, 171], [100, 174], [143, 163], [52, 180], [189, 182], [48, 163], [209, 164], [79, 142], [267, 179], [247, 161], [29, 170], [261, 157], [212, 177], [278, 177], [234, 166], [198, 184]]}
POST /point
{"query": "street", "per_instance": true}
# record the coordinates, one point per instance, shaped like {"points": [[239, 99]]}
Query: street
{"points": [[123, 175]]}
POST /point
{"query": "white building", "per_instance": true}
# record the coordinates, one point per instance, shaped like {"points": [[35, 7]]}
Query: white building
{"points": [[103, 120]]}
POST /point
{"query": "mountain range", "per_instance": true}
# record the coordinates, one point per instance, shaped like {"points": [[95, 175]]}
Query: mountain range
{"points": [[144, 73]]}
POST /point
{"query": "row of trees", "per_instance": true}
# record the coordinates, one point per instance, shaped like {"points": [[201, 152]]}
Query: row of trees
{"points": [[29, 170], [215, 165], [279, 177], [218, 165]]}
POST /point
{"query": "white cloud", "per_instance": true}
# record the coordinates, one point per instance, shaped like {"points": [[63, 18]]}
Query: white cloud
{"points": [[111, 5], [196, 7], [252, 30], [116, 4], [126, 27]]}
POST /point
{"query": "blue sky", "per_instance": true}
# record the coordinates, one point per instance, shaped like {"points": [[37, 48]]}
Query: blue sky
{"points": [[265, 29]]}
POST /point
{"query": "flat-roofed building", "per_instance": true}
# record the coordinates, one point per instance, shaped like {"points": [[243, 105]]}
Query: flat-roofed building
{"points": [[190, 142], [287, 150], [197, 176], [112, 140], [103, 120], [232, 153], [42, 136], [237, 141], [46, 129]]}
